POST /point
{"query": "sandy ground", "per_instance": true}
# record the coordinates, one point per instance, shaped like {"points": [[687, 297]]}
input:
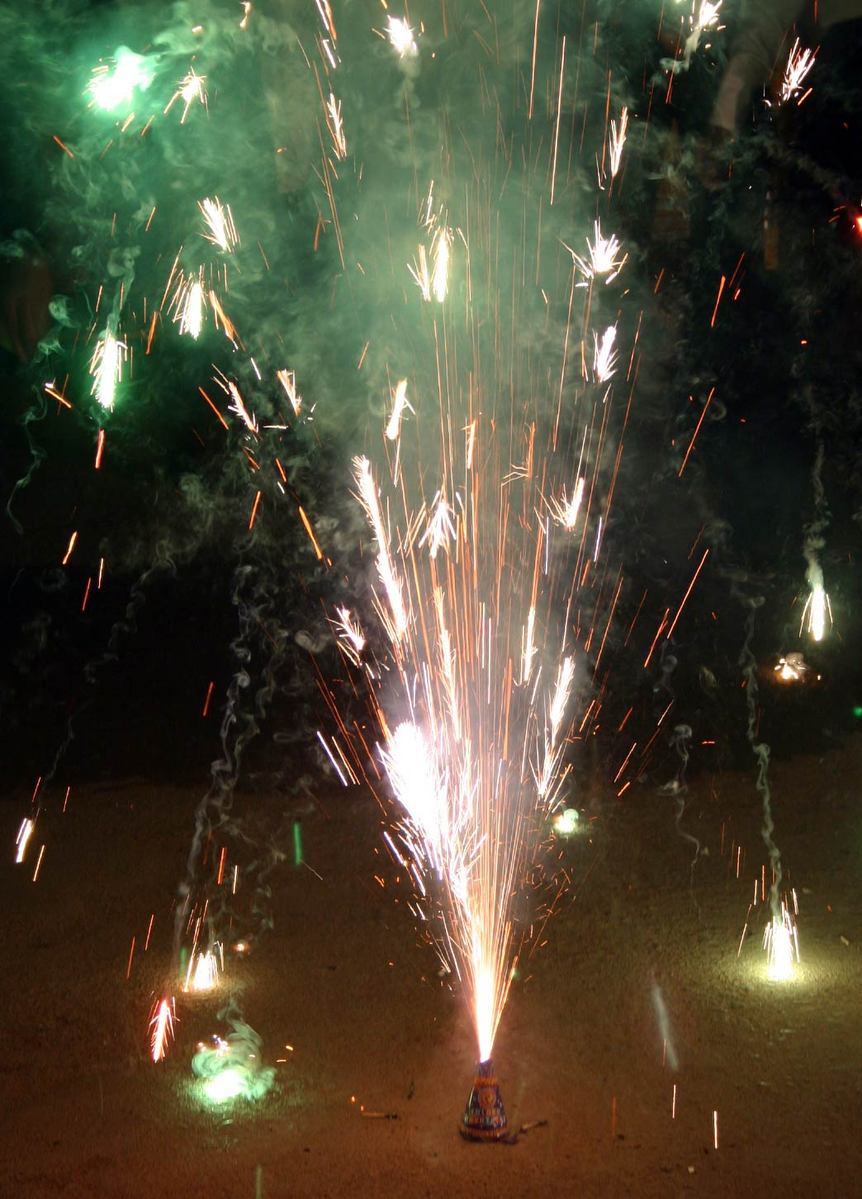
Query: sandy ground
{"points": [[345, 981]]}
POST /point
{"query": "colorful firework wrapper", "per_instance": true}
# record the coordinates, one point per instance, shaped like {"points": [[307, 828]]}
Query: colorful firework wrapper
{"points": [[484, 1117]]}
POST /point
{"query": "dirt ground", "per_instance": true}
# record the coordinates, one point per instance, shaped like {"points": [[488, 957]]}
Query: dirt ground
{"points": [[637, 990]]}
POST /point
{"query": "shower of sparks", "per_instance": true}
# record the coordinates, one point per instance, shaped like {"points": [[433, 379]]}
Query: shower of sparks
{"points": [[603, 260], [817, 613], [162, 1028], [781, 942], [189, 304], [189, 89], [472, 736], [562, 694], [237, 404], [25, 832], [335, 125], [400, 404], [350, 633], [368, 497], [221, 230], [440, 253], [106, 369], [430, 270], [401, 37], [565, 511], [421, 272], [111, 87], [203, 971], [792, 669], [441, 526], [325, 10], [617, 141], [799, 63], [704, 17], [287, 379], [604, 354]]}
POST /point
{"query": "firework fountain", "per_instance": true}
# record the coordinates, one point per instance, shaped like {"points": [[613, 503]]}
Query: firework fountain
{"points": [[487, 513]]}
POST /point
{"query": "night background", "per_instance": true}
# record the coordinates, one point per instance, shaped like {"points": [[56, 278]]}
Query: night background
{"points": [[430, 448]]}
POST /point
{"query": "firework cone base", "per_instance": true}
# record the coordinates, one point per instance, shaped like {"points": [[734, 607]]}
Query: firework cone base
{"points": [[484, 1117]]}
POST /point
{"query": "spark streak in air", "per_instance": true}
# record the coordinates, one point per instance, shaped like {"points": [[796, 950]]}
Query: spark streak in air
{"points": [[161, 1029], [603, 259], [400, 404], [817, 613], [106, 369], [220, 229], [799, 63], [189, 89]]}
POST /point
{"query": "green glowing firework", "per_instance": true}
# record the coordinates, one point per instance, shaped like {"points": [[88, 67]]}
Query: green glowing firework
{"points": [[113, 87], [230, 1069]]}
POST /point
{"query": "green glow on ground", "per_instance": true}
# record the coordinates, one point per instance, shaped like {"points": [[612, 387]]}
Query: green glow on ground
{"points": [[230, 1069], [229, 1084]]}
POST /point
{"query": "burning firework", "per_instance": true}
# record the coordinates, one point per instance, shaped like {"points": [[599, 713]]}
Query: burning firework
{"points": [[781, 942], [204, 969], [230, 1068], [475, 763]]}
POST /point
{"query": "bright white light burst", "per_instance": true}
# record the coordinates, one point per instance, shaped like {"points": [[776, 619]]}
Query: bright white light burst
{"points": [[401, 37], [603, 259], [781, 943]]}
